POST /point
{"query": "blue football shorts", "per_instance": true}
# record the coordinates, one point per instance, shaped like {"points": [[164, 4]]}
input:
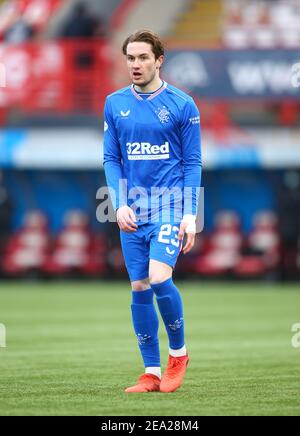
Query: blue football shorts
{"points": [[155, 241]]}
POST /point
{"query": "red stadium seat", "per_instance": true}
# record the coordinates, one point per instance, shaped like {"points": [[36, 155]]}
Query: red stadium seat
{"points": [[263, 247], [38, 12], [76, 249], [26, 251], [288, 113], [35, 13], [257, 24], [222, 248]]}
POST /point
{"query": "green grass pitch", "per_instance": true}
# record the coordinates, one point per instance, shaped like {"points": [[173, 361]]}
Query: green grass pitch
{"points": [[71, 351]]}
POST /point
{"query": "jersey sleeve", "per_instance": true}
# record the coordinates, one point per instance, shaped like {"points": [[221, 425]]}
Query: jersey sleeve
{"points": [[191, 153], [112, 161]]}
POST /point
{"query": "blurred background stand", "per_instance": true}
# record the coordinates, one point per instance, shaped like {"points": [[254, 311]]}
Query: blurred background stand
{"points": [[61, 58], [289, 207]]}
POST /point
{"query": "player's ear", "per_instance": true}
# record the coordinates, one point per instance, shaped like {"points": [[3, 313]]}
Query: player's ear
{"points": [[160, 61]]}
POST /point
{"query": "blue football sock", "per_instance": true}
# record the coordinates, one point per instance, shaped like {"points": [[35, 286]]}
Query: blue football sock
{"points": [[145, 322], [170, 305]]}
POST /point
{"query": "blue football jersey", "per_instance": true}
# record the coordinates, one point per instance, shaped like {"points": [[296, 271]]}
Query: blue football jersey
{"points": [[152, 141]]}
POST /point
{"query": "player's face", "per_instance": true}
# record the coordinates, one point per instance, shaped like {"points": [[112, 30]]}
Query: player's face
{"points": [[142, 66]]}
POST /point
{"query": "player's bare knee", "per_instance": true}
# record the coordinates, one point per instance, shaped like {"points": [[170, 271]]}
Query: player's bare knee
{"points": [[159, 277], [140, 285], [159, 272]]}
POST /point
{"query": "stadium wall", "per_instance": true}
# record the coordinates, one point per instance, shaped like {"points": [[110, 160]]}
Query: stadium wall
{"points": [[57, 192]]}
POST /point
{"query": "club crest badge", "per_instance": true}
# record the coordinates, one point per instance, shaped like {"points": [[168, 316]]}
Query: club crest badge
{"points": [[177, 325], [142, 339], [163, 114]]}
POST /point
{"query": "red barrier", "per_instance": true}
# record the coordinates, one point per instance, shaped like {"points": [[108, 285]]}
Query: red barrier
{"points": [[56, 76]]}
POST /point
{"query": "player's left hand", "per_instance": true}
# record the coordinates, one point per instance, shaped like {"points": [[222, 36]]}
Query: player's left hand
{"points": [[187, 229]]}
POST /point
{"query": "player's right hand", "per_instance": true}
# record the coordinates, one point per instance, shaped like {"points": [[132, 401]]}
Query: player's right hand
{"points": [[126, 219]]}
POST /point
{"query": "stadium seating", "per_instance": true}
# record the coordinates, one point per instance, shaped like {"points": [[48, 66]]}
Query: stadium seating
{"points": [[221, 250], [238, 24], [27, 250], [36, 16], [76, 249], [261, 254], [33, 13], [31, 251], [261, 24], [200, 21], [227, 252]]}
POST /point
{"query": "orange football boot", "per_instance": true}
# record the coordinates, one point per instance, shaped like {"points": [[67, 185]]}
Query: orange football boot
{"points": [[173, 376], [146, 383]]}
